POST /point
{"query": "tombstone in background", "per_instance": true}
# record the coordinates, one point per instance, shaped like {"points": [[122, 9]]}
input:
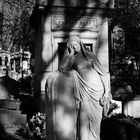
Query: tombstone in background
{"points": [[10, 113], [132, 107]]}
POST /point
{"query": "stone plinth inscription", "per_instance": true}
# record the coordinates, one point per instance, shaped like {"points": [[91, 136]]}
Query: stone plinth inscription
{"points": [[76, 23]]}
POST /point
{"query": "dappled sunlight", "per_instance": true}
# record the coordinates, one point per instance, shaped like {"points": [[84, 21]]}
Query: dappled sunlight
{"points": [[61, 22], [54, 21], [65, 122]]}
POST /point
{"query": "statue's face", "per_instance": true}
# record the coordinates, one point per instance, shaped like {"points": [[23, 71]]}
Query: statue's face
{"points": [[76, 46]]}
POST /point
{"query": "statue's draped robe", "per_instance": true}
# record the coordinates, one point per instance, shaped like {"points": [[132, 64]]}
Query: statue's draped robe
{"points": [[76, 110], [87, 97]]}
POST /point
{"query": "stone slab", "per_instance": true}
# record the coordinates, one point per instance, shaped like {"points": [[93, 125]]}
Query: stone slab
{"points": [[10, 104]]}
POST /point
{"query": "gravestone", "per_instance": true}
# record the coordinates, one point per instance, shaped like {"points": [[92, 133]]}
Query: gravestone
{"points": [[10, 114]]}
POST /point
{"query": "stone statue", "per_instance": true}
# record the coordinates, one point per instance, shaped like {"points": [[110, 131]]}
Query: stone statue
{"points": [[80, 91]]}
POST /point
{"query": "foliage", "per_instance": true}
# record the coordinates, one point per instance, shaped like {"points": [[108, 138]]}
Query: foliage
{"points": [[125, 76], [127, 13], [35, 128], [112, 107], [125, 51], [127, 16], [17, 31]]}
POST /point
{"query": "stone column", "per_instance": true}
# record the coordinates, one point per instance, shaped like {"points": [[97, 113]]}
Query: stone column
{"points": [[43, 55]]}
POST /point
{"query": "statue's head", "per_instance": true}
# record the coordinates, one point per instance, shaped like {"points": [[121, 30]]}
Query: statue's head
{"points": [[77, 45], [74, 42]]}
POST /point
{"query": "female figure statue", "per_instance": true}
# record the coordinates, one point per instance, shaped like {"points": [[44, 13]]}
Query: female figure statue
{"points": [[90, 87]]}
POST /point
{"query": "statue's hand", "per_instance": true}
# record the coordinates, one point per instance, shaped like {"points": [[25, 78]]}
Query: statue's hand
{"points": [[104, 99], [105, 103], [71, 51]]}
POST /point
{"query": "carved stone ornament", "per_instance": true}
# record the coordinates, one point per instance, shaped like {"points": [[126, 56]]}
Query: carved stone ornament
{"points": [[76, 23], [103, 1]]}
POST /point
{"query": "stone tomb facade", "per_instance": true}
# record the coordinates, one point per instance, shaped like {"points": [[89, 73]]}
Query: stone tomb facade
{"points": [[56, 26], [57, 22]]}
